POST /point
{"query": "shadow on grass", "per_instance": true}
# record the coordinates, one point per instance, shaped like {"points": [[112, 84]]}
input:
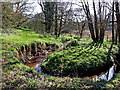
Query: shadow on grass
{"points": [[91, 45], [109, 51], [23, 29]]}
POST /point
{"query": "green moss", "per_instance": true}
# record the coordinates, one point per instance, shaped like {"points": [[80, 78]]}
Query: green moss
{"points": [[51, 79], [23, 37], [11, 61], [81, 59]]}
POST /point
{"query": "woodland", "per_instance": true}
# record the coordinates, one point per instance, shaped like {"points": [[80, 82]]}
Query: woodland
{"points": [[63, 45]]}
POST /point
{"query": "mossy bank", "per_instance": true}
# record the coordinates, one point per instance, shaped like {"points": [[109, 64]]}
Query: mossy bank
{"points": [[16, 75]]}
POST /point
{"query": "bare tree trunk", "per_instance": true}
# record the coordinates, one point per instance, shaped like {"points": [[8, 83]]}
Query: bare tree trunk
{"points": [[113, 23], [118, 20], [90, 23], [60, 28], [56, 23], [101, 26], [96, 22], [46, 23], [103, 22], [79, 29]]}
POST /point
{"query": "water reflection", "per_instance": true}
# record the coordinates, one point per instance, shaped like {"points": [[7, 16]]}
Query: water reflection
{"points": [[111, 71], [104, 75], [38, 69]]}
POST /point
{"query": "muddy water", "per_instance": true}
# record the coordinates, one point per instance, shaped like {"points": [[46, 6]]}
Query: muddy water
{"points": [[103, 75], [37, 60], [38, 69]]}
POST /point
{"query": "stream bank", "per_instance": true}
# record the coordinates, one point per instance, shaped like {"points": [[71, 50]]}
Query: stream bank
{"points": [[16, 75], [35, 53], [39, 56]]}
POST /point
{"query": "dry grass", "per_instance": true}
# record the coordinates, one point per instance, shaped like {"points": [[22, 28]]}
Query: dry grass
{"points": [[108, 34]]}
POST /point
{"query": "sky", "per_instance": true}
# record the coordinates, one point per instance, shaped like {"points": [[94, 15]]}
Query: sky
{"points": [[37, 8]]}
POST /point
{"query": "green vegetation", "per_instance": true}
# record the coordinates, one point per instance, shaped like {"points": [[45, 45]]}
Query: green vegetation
{"points": [[81, 58], [65, 42], [21, 37], [20, 76], [17, 75]]}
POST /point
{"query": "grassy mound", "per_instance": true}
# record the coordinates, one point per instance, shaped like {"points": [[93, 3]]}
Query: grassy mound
{"points": [[16, 75], [20, 37], [87, 58]]}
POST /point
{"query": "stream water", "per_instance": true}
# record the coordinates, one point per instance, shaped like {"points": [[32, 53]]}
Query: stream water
{"points": [[108, 75], [104, 75]]}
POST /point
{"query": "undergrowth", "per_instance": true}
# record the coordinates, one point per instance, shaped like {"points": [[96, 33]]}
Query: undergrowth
{"points": [[83, 59], [16, 75], [24, 37]]}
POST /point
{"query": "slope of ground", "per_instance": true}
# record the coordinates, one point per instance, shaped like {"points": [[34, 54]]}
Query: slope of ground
{"points": [[17, 75]]}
